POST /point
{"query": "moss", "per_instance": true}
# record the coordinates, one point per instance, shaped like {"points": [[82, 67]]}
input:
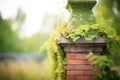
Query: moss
{"points": [[82, 13]]}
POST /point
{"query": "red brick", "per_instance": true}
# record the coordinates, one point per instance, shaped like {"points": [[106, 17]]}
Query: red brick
{"points": [[70, 56], [70, 67], [70, 77], [84, 67], [75, 72], [74, 61], [83, 78], [81, 56], [86, 62], [78, 62], [89, 72]]}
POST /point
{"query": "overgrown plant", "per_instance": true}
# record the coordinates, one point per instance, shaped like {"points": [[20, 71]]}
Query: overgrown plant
{"points": [[56, 55], [104, 64], [88, 32]]}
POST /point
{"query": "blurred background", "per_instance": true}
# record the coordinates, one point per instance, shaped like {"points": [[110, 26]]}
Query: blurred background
{"points": [[24, 27]]}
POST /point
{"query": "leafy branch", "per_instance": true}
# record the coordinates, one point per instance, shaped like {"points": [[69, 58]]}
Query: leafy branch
{"points": [[104, 63]]}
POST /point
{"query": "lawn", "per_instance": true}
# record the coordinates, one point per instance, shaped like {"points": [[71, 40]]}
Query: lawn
{"points": [[12, 70]]}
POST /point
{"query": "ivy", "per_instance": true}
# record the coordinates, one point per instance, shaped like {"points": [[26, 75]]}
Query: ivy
{"points": [[88, 32], [60, 64], [56, 55], [104, 63]]}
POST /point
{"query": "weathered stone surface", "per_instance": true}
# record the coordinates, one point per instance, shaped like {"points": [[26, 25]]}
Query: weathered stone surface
{"points": [[81, 40], [83, 46]]}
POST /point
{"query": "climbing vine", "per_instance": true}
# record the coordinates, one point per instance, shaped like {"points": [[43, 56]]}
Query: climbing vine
{"points": [[88, 32], [103, 63]]}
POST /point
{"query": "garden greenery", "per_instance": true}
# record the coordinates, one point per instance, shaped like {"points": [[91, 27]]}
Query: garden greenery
{"points": [[88, 32], [103, 63]]}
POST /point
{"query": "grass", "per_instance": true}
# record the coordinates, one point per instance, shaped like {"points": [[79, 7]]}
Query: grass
{"points": [[12, 70]]}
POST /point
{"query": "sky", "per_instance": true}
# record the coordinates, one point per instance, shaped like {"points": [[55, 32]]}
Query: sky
{"points": [[35, 10]]}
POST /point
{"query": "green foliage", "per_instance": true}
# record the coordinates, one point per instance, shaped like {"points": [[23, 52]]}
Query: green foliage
{"points": [[89, 30], [33, 43], [56, 55], [104, 63], [60, 65], [9, 41], [51, 46], [107, 11]]}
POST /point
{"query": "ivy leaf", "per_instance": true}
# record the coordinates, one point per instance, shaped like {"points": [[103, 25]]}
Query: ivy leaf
{"points": [[110, 32], [91, 34], [74, 37], [97, 75]]}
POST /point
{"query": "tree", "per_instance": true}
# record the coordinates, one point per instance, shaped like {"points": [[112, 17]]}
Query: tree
{"points": [[33, 44], [8, 38]]}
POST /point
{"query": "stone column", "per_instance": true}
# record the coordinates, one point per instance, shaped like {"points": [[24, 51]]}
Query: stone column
{"points": [[78, 66]]}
